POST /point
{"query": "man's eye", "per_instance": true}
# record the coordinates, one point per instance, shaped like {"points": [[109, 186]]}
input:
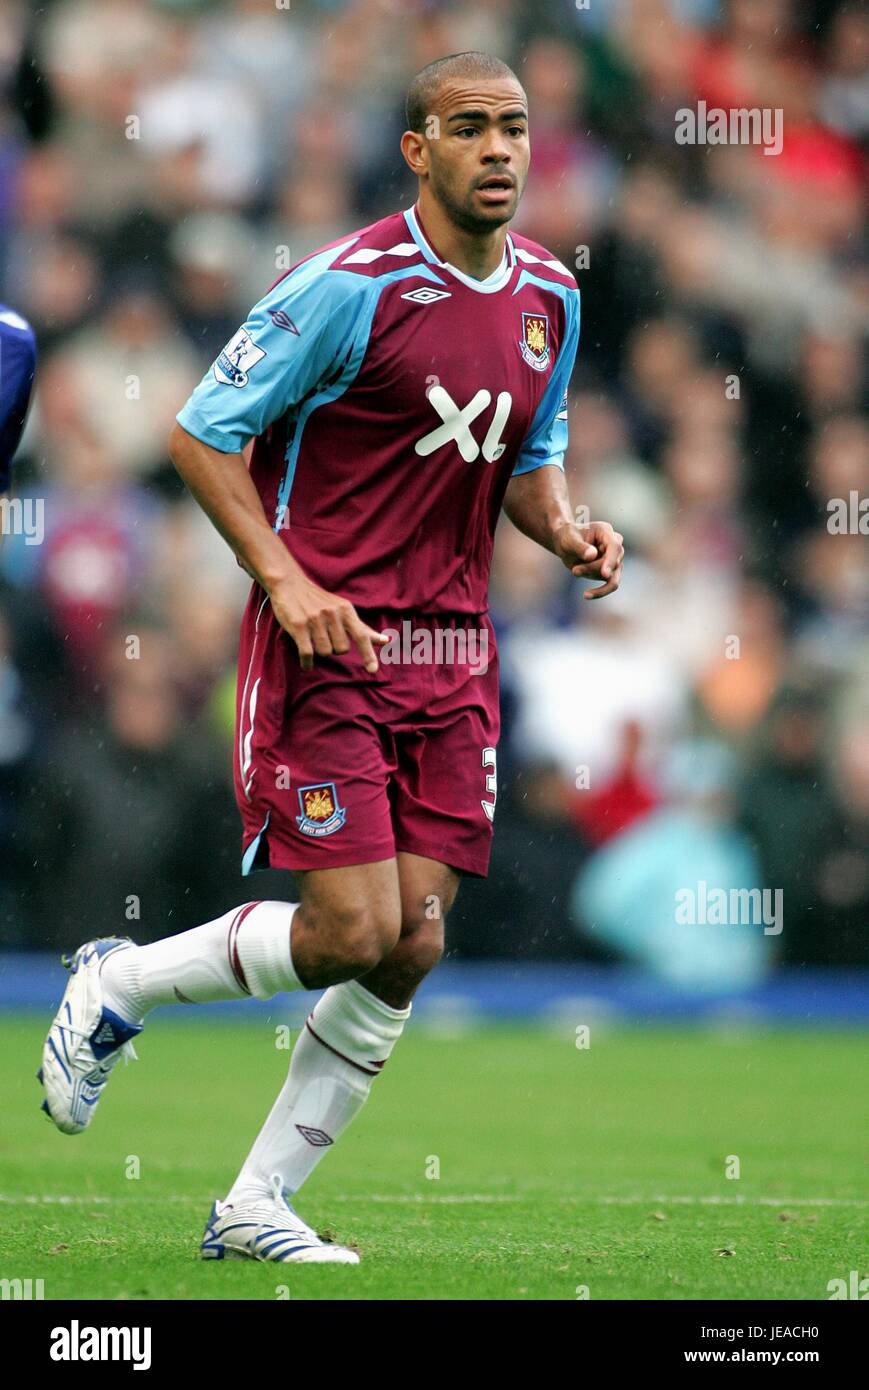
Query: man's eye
{"points": [[517, 130], [468, 130]]}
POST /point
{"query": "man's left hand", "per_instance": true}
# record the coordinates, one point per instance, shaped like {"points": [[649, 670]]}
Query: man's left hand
{"points": [[594, 551]]}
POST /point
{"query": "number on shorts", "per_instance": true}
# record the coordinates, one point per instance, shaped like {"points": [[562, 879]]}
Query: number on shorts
{"points": [[490, 760]]}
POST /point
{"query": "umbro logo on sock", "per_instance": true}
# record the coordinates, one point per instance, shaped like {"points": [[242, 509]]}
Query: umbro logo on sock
{"points": [[318, 1137]]}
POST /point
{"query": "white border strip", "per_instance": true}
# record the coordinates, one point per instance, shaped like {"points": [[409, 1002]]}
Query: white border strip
{"points": [[460, 1199]]}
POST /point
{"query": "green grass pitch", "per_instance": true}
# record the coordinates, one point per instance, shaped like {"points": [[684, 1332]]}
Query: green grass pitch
{"points": [[560, 1169]]}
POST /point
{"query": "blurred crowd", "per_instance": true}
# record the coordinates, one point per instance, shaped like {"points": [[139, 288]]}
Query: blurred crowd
{"points": [[161, 161]]}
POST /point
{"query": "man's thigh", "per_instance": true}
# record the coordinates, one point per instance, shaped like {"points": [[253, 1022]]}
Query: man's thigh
{"points": [[313, 758], [352, 892]]}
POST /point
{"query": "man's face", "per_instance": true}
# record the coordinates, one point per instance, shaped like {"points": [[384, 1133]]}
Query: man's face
{"points": [[477, 153]]}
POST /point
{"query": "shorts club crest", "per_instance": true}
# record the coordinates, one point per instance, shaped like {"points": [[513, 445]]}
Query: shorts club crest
{"points": [[320, 812]]}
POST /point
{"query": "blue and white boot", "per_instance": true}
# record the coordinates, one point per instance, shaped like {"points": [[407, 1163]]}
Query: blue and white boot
{"points": [[267, 1228], [85, 1041]]}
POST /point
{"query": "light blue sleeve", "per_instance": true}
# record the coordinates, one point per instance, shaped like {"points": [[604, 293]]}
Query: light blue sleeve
{"points": [[546, 440], [290, 342]]}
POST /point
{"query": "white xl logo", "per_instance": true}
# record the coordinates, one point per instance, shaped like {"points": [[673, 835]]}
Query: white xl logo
{"points": [[457, 425]]}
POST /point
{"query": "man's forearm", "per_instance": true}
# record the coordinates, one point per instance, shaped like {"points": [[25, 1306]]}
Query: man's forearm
{"points": [[537, 503], [224, 490]]}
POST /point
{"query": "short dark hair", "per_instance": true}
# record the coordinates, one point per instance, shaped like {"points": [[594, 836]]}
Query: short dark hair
{"points": [[423, 87]]}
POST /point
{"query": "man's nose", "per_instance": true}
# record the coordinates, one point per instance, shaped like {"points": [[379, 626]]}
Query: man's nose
{"points": [[496, 149]]}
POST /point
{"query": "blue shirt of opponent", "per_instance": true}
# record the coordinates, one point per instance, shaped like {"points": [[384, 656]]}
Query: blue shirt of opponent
{"points": [[17, 370]]}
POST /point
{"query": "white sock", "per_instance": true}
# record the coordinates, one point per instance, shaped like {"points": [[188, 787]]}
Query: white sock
{"points": [[343, 1046], [245, 952]]}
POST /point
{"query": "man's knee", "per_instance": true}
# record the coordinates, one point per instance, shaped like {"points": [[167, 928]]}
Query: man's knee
{"points": [[354, 935], [423, 917], [422, 945]]}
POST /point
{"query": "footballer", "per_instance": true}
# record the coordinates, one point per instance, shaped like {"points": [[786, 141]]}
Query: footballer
{"points": [[401, 387]]}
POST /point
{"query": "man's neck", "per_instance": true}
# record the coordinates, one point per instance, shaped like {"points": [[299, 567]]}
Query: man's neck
{"points": [[477, 254]]}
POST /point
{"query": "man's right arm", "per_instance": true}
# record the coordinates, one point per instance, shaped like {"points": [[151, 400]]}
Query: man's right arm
{"points": [[288, 343], [319, 622]]}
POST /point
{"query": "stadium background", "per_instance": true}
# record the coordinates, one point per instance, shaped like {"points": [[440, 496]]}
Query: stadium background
{"points": [[709, 723]]}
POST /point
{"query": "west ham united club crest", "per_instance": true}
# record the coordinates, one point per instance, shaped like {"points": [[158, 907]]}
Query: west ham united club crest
{"points": [[321, 814], [534, 343]]}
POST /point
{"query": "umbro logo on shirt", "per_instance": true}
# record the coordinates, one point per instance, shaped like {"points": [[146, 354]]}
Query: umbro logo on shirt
{"points": [[426, 295], [282, 320]]}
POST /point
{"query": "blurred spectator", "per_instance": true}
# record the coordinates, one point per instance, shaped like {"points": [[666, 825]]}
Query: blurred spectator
{"points": [[579, 688], [844, 99], [205, 128], [210, 252], [630, 892], [808, 815], [625, 797], [117, 382], [114, 816], [736, 686]]}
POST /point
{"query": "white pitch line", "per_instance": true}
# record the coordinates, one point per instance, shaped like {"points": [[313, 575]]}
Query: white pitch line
{"points": [[575, 1200], [737, 1201], [63, 1200], [461, 1199]]}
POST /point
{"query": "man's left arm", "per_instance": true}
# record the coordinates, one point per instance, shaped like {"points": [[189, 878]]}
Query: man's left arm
{"points": [[536, 499], [537, 503]]}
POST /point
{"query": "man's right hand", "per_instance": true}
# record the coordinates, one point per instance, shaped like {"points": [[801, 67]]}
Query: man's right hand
{"points": [[323, 624]]}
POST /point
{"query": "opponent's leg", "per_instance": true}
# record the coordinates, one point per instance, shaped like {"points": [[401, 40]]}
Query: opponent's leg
{"points": [[352, 1029]]}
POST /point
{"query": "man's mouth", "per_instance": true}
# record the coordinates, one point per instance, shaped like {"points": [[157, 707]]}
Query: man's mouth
{"points": [[496, 187]]}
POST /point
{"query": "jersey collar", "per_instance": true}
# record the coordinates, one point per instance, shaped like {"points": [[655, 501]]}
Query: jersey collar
{"points": [[496, 281]]}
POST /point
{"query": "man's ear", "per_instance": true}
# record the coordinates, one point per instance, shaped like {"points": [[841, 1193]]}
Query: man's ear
{"points": [[413, 147]]}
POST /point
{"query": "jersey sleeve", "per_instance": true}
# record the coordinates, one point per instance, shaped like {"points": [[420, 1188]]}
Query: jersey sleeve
{"points": [[546, 440], [290, 343], [17, 370]]}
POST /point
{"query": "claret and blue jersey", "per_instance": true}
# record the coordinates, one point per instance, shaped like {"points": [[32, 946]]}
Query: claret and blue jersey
{"points": [[392, 398]]}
